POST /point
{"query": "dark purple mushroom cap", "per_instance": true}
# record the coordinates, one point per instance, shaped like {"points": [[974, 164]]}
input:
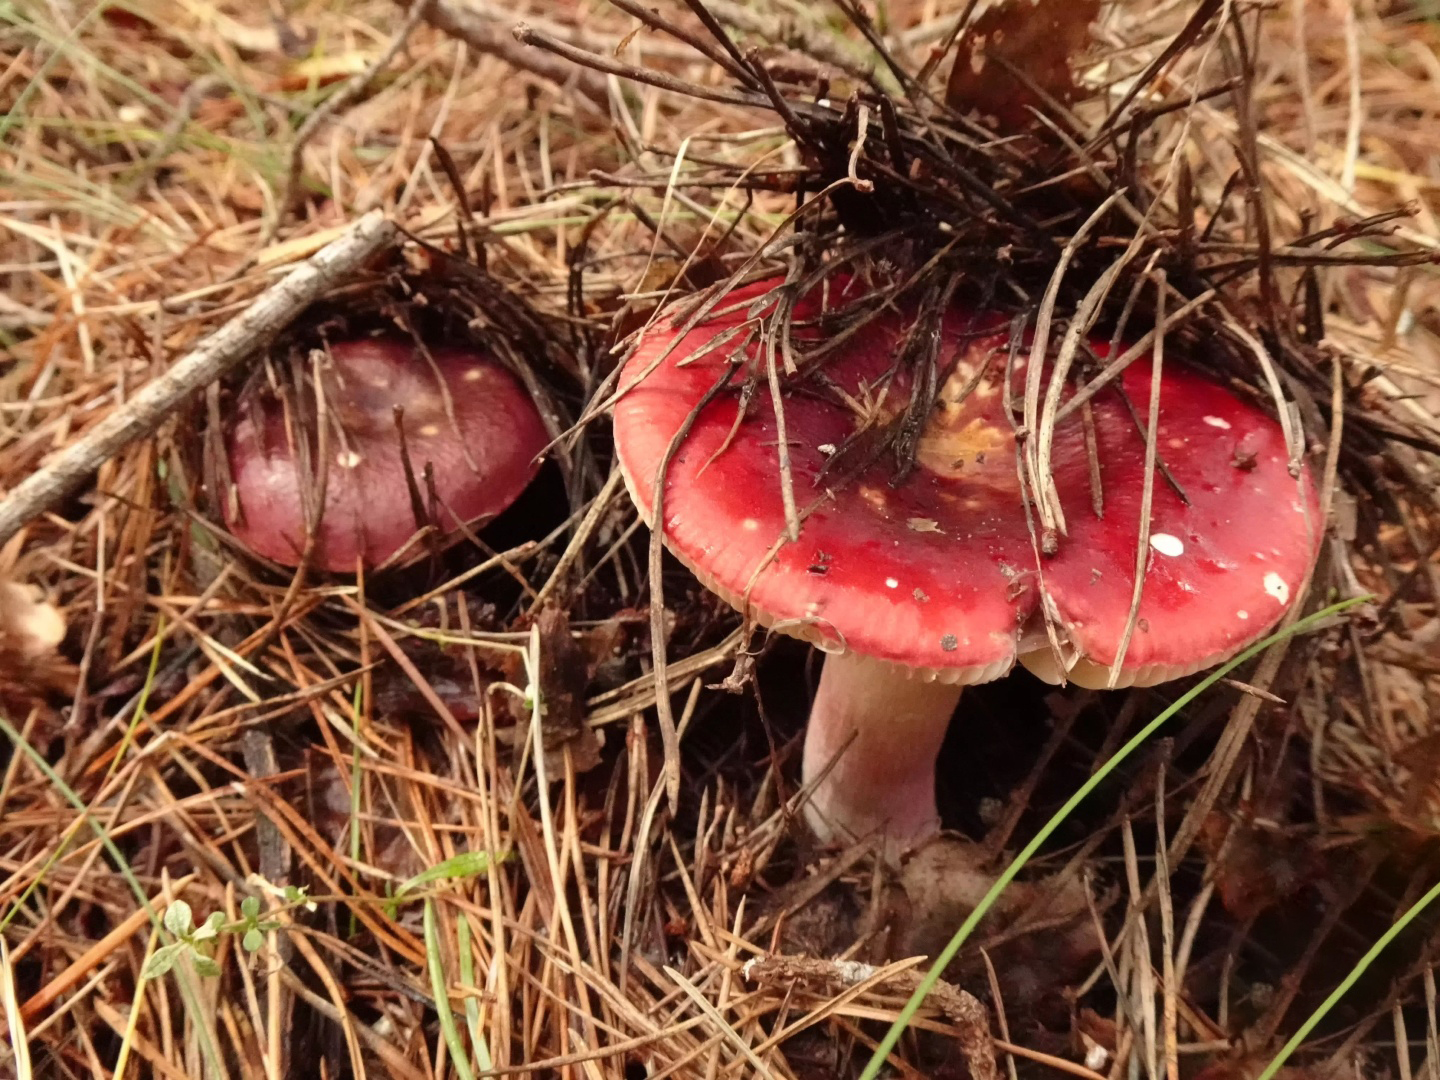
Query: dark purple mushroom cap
{"points": [[466, 418]]}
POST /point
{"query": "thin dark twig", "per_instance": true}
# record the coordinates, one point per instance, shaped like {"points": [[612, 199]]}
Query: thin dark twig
{"points": [[528, 35], [719, 33], [729, 58], [1185, 39], [939, 52]]}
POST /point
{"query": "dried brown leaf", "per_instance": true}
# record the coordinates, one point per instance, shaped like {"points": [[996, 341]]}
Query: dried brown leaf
{"points": [[566, 667], [31, 630], [30, 625], [1040, 38]]}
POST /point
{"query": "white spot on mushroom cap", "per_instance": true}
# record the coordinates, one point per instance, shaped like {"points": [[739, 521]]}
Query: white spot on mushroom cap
{"points": [[1276, 587], [348, 459], [750, 524], [430, 430], [1242, 615], [1217, 422], [474, 374], [1167, 544], [891, 583]]}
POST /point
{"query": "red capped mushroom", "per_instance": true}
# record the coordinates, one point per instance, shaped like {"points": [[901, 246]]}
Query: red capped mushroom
{"points": [[465, 419], [917, 588]]}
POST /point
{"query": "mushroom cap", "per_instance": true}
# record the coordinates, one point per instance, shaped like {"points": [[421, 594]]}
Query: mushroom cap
{"points": [[482, 449], [938, 574]]}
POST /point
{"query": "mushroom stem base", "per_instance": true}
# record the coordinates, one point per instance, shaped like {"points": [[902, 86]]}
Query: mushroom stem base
{"points": [[883, 733]]}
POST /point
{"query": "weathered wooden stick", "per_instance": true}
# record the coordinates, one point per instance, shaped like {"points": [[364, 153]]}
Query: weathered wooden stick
{"points": [[147, 409]]}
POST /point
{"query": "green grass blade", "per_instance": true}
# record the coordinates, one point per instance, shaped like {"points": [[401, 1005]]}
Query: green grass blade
{"points": [[472, 1003], [1350, 980], [436, 964], [143, 703]]}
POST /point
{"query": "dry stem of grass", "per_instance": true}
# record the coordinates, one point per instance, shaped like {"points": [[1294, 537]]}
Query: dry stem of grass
{"points": [[142, 198]]}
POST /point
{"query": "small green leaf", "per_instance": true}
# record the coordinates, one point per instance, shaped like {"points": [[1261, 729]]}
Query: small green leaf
{"points": [[467, 864], [250, 907], [253, 940], [161, 960], [210, 927], [179, 919], [206, 966]]}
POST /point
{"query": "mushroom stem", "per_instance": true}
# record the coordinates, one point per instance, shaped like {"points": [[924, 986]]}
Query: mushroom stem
{"points": [[883, 732]]}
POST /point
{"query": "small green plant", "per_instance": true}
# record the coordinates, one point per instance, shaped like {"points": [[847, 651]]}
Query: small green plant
{"points": [[198, 942]]}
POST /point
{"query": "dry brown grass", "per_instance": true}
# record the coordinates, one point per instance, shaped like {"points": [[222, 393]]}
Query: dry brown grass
{"points": [[230, 734]]}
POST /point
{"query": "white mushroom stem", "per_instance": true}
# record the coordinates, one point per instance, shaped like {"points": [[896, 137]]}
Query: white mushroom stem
{"points": [[882, 731]]}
